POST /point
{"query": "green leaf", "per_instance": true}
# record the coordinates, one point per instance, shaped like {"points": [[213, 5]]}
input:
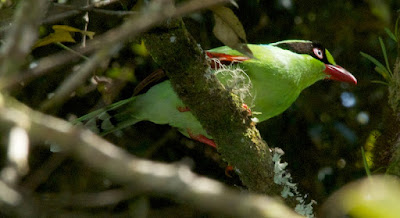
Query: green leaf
{"points": [[57, 36], [62, 33], [367, 170], [391, 35], [385, 55], [379, 67], [383, 72], [66, 28], [380, 82], [96, 113]]}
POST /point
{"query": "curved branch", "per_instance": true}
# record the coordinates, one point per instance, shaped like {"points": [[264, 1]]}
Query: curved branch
{"points": [[140, 175]]}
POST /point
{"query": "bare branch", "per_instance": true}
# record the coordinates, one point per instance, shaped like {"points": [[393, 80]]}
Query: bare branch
{"points": [[138, 174], [72, 11], [64, 91], [14, 204], [21, 36], [18, 152], [130, 29]]}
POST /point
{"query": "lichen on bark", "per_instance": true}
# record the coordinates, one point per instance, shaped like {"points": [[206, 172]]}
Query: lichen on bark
{"points": [[220, 113]]}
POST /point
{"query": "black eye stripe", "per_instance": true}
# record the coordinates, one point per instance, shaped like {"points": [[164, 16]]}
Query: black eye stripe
{"points": [[305, 48]]}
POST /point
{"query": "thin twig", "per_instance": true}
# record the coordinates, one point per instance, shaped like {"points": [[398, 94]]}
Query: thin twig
{"points": [[71, 50], [129, 30], [86, 20], [69, 85], [72, 11]]}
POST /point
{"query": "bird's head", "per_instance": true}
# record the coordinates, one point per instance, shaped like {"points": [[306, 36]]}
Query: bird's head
{"points": [[318, 52]]}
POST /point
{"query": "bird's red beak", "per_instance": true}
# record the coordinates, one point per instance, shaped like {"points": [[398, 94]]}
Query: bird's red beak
{"points": [[336, 72]]}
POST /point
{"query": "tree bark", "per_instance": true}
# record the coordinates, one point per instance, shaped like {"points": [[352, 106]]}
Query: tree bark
{"points": [[218, 110]]}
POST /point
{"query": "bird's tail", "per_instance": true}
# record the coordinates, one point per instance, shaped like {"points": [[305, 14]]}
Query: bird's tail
{"points": [[108, 119]]}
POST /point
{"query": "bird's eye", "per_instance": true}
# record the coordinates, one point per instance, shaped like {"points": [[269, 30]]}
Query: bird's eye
{"points": [[318, 53]]}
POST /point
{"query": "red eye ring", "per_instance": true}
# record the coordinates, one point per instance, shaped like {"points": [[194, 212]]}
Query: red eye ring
{"points": [[318, 52]]}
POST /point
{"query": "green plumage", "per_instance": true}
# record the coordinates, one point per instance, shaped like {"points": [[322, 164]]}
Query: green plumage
{"points": [[277, 75]]}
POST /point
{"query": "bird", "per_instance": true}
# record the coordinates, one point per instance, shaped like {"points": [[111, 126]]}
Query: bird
{"points": [[268, 84]]}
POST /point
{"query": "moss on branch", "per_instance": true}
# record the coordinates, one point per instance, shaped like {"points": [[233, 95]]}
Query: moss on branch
{"points": [[220, 113], [387, 148]]}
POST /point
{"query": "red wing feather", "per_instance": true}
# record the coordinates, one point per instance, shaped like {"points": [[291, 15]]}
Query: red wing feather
{"points": [[225, 58]]}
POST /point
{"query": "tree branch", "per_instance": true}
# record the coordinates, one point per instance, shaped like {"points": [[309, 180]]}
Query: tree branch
{"points": [[220, 113], [140, 175], [394, 101], [64, 91], [135, 25], [21, 36], [72, 11]]}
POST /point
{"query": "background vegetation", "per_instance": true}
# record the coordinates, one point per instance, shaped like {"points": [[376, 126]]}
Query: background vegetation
{"points": [[321, 134]]}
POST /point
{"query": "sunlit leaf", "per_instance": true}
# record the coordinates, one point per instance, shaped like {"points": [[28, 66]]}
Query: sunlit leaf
{"points": [[140, 49], [89, 34], [369, 147], [57, 36], [62, 33], [229, 30], [122, 73], [366, 167], [376, 196]]}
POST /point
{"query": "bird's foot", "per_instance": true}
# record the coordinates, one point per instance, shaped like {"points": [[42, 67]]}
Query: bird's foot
{"points": [[229, 171], [202, 139], [247, 108], [183, 108], [210, 142]]}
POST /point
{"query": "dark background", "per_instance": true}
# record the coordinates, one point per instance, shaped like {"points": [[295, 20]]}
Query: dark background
{"points": [[321, 133]]}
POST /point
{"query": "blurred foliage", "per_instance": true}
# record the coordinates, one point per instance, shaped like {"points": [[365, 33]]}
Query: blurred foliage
{"points": [[321, 133], [376, 196], [5, 3]]}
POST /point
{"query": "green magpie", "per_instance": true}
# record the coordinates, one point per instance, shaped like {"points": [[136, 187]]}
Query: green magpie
{"points": [[277, 74]]}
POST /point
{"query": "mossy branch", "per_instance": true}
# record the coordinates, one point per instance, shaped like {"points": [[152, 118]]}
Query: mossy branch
{"points": [[394, 100], [220, 113], [387, 148]]}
